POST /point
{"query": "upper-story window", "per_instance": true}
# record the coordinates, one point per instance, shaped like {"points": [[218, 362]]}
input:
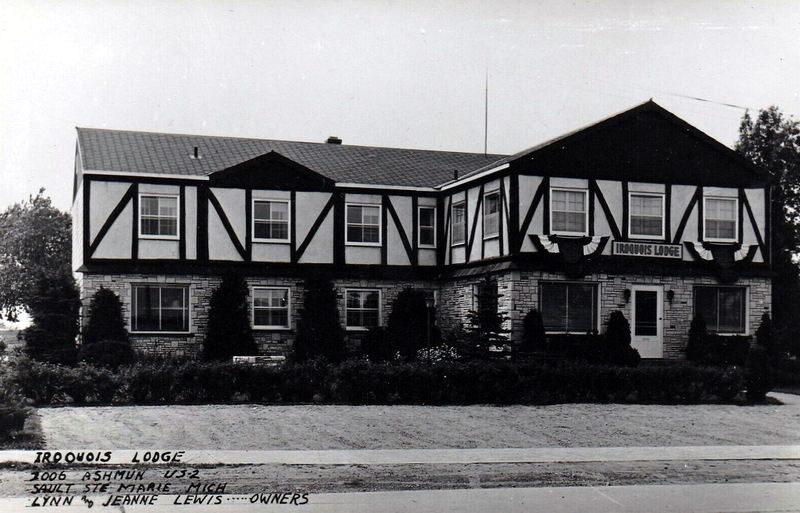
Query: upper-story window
{"points": [[569, 214], [646, 213], [270, 220], [720, 219], [427, 227], [364, 225], [459, 223], [158, 216], [491, 214]]}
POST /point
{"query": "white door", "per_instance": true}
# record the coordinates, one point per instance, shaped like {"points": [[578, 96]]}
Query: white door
{"points": [[647, 320]]}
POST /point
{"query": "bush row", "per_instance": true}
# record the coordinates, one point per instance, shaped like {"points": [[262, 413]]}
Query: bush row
{"points": [[362, 382]]}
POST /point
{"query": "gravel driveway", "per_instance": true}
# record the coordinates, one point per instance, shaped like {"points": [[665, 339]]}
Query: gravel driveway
{"points": [[246, 427]]}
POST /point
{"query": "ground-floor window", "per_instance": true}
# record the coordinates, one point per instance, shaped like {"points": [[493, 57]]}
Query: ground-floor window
{"points": [[723, 308], [568, 307], [160, 308], [271, 307], [363, 308]]}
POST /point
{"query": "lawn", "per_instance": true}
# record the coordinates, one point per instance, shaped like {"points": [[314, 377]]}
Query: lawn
{"points": [[399, 427]]}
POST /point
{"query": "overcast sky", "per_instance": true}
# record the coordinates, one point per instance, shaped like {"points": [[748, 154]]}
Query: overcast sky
{"points": [[386, 73]]}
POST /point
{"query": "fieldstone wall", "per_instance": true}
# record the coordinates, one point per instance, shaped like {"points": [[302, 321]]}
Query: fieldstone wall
{"points": [[270, 341]]}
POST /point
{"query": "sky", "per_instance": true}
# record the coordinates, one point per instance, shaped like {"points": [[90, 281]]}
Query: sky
{"points": [[408, 74]]}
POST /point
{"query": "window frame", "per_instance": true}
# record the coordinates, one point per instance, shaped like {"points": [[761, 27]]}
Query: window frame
{"points": [[597, 297], [735, 201], [347, 241], [187, 307], [495, 235], [177, 198], [745, 309], [253, 219], [453, 206], [347, 291], [585, 211], [632, 235], [253, 307], [419, 226]]}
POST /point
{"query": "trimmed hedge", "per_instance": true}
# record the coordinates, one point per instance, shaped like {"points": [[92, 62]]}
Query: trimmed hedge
{"points": [[362, 382]]}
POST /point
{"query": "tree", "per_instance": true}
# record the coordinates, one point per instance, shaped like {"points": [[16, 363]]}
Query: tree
{"points": [[772, 143], [533, 338], [35, 241], [54, 304], [229, 332], [319, 333], [485, 325], [410, 323], [105, 319]]}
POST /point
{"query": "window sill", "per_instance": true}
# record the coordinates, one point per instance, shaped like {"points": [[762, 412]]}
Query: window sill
{"points": [[364, 244], [570, 234], [457, 244], [160, 237], [721, 241], [427, 246], [648, 238], [272, 328], [490, 237], [169, 333], [271, 241], [361, 329]]}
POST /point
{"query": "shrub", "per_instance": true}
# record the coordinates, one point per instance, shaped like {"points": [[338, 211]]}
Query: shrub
{"points": [[533, 337], [105, 319], [764, 334], [696, 348], [319, 333], [109, 353], [229, 331], [439, 353], [617, 348], [760, 369], [411, 326], [376, 345], [54, 307]]}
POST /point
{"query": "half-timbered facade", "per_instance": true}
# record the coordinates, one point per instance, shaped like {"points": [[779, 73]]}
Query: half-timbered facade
{"points": [[640, 212]]}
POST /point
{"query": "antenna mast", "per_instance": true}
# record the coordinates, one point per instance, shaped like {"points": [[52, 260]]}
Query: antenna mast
{"points": [[486, 114]]}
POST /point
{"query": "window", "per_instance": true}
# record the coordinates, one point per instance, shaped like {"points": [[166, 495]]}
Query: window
{"points": [[459, 223], [568, 212], [270, 220], [723, 308], [160, 308], [646, 213], [427, 226], [271, 307], [363, 308], [568, 307], [720, 219], [491, 215], [364, 224], [158, 216]]}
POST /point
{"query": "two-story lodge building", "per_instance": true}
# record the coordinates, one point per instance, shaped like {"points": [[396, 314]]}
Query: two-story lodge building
{"points": [[640, 212]]}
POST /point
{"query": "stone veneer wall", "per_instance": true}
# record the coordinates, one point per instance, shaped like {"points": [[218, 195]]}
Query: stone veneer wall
{"points": [[270, 342], [520, 290]]}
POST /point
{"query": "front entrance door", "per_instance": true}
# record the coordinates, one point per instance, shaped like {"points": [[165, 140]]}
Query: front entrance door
{"points": [[647, 325]]}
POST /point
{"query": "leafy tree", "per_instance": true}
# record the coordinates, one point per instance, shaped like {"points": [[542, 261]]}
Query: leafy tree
{"points": [[35, 241], [485, 326], [105, 318], [319, 333], [407, 327], [533, 337], [771, 141], [54, 303], [229, 332]]}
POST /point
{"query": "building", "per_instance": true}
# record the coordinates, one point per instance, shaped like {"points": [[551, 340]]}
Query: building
{"points": [[640, 212]]}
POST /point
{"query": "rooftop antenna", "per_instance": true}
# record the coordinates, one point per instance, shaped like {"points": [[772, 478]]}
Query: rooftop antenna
{"points": [[486, 114]]}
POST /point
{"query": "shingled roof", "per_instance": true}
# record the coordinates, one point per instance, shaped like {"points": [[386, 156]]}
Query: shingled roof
{"points": [[148, 152]]}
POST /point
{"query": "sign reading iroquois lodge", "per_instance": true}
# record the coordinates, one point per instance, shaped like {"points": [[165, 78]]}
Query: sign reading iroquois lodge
{"points": [[647, 249]]}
